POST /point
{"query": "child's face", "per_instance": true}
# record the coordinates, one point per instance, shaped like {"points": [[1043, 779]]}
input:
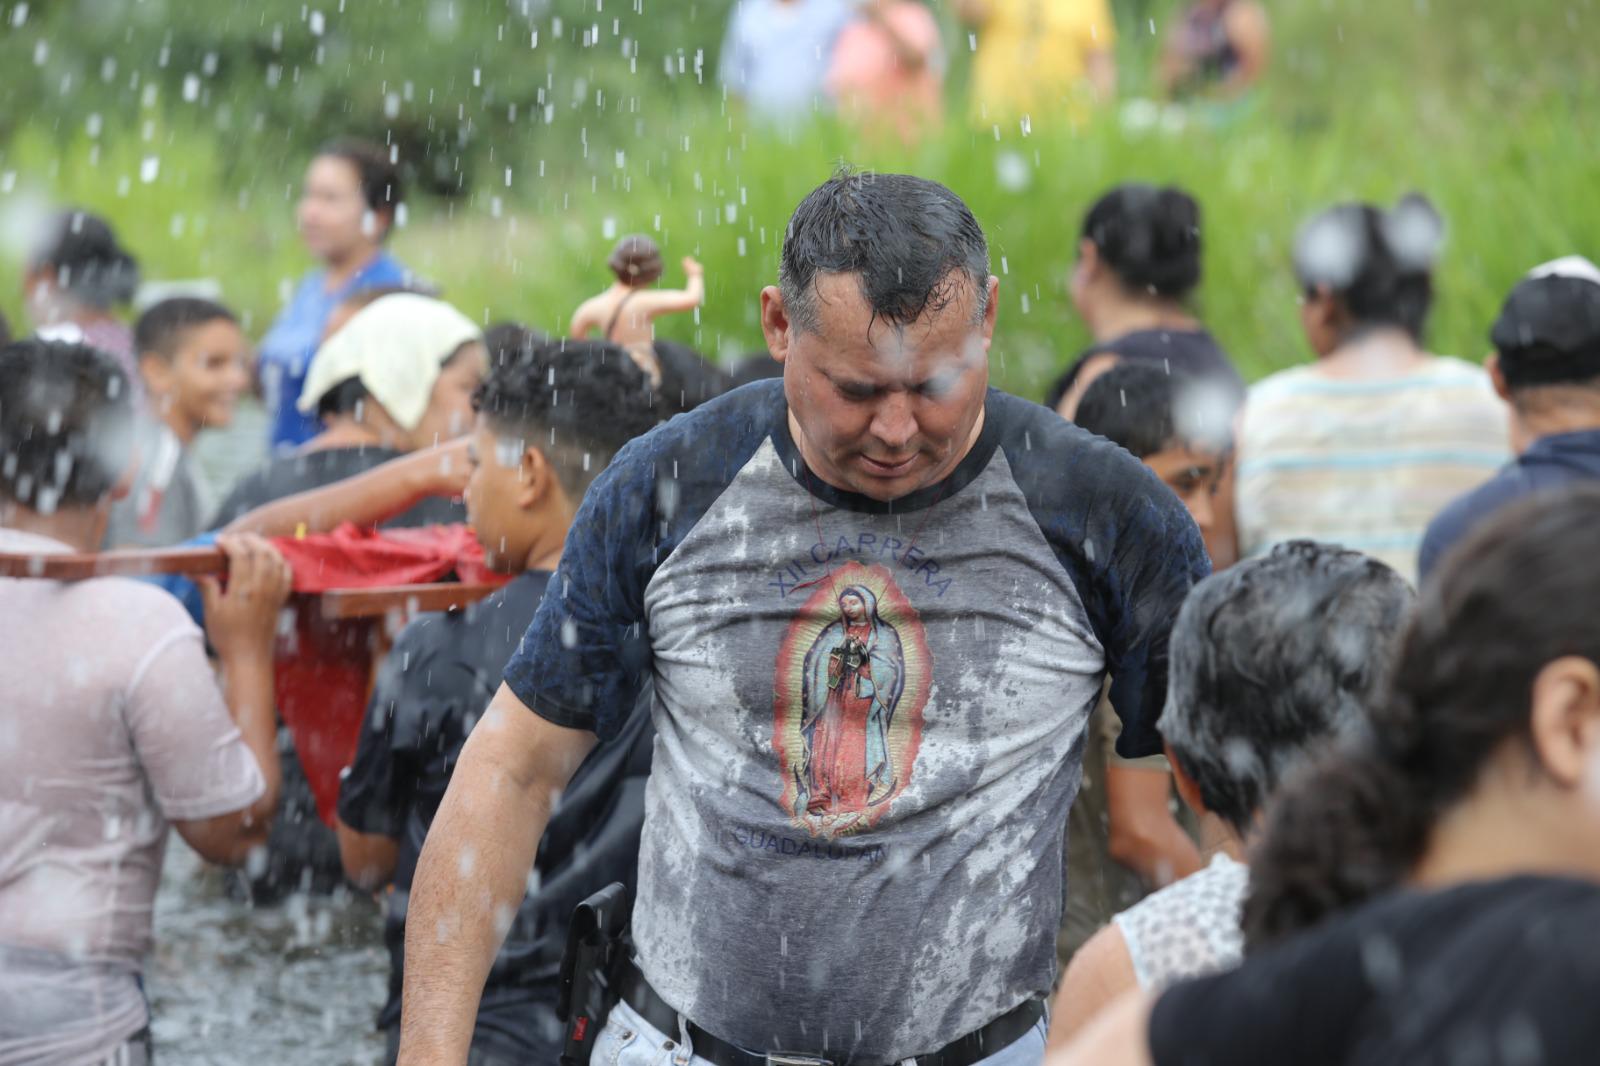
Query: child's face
{"points": [[208, 373], [1192, 473]]}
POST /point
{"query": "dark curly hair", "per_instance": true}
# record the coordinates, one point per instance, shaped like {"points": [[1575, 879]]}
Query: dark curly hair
{"points": [[1516, 595], [66, 424], [577, 401], [88, 260]]}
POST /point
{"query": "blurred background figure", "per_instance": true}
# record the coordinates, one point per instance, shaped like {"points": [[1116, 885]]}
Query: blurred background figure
{"points": [[77, 276], [1363, 447], [888, 70], [1040, 60], [1546, 366], [1139, 259], [625, 313], [776, 54], [192, 360], [1217, 49], [347, 209]]}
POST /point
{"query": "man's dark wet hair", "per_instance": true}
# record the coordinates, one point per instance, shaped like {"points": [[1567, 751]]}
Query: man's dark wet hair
{"points": [[1272, 658], [380, 179], [89, 263], [1149, 237], [1518, 594], [912, 243], [66, 424], [1377, 263], [576, 401], [160, 329], [504, 341], [1140, 405]]}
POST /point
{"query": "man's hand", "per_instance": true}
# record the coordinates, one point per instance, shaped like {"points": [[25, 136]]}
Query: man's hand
{"points": [[244, 619], [692, 267], [442, 470]]}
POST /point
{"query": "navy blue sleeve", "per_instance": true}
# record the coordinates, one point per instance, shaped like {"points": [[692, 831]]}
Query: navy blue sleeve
{"points": [[1128, 543], [1457, 519], [586, 655]]}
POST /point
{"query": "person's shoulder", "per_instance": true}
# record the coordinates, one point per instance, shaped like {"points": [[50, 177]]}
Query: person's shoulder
{"points": [[142, 612]]}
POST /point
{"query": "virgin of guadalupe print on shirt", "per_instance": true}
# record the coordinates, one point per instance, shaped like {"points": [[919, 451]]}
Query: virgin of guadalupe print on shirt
{"points": [[851, 685]]}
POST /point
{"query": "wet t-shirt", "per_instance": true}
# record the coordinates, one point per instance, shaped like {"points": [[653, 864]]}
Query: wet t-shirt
{"points": [[869, 715], [111, 727]]}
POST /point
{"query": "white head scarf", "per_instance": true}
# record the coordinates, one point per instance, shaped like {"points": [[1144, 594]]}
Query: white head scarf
{"points": [[396, 347]]}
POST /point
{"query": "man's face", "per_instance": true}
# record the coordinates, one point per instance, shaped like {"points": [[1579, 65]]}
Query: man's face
{"points": [[333, 213], [494, 499], [1192, 473], [875, 408], [203, 379]]}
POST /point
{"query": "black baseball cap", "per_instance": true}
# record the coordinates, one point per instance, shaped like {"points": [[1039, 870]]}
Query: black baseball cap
{"points": [[1548, 332]]}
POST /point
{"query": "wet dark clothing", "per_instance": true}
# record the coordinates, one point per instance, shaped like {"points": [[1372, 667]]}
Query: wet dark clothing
{"points": [[1551, 464], [431, 689], [302, 852], [1492, 972], [1194, 352]]}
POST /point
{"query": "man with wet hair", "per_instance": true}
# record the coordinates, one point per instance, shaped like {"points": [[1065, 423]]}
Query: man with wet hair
{"points": [[114, 725], [876, 617]]}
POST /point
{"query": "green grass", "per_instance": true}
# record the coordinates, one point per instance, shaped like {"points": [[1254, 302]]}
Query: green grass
{"points": [[1489, 108]]}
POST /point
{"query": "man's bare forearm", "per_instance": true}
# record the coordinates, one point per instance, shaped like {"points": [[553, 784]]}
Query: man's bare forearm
{"points": [[470, 879]]}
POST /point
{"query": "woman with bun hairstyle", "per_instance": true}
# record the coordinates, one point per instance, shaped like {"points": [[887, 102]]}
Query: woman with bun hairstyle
{"points": [[1365, 445], [77, 275], [1430, 893], [1138, 264]]}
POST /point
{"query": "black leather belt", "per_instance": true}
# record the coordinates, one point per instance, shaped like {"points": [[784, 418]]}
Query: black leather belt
{"points": [[963, 1051]]}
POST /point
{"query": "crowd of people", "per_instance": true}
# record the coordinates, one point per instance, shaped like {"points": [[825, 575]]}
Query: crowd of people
{"points": [[881, 64], [1167, 720]]}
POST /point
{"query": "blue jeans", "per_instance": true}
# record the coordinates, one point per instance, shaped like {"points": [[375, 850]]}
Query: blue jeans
{"points": [[629, 1040]]}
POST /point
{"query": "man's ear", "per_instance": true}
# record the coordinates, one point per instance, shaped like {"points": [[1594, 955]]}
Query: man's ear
{"points": [[1566, 718], [991, 311], [775, 324], [535, 477]]}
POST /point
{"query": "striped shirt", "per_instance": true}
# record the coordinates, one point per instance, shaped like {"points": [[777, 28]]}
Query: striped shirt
{"points": [[1365, 463]]}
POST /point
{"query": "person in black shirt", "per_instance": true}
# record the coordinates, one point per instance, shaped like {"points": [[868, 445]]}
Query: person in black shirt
{"points": [[550, 417], [1460, 836], [398, 376]]}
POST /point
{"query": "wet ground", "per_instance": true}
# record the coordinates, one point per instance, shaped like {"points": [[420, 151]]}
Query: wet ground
{"points": [[236, 985]]}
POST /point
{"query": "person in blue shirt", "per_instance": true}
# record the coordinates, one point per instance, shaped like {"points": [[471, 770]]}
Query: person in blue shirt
{"points": [[347, 208], [1547, 367]]}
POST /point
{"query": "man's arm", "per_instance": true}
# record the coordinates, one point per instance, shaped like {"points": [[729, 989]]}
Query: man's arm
{"points": [[474, 869], [367, 499], [667, 301]]}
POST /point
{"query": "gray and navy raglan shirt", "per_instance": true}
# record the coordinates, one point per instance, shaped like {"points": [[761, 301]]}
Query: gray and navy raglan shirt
{"points": [[870, 715]]}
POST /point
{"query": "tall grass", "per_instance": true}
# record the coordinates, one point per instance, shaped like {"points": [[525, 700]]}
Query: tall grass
{"points": [[1494, 120]]}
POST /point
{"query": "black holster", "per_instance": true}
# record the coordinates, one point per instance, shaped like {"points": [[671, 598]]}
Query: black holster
{"points": [[597, 947]]}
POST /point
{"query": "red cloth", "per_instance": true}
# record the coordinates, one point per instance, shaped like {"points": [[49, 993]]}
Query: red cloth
{"points": [[323, 670]]}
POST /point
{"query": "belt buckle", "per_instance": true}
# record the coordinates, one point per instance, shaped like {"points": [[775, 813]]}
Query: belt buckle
{"points": [[790, 1058]]}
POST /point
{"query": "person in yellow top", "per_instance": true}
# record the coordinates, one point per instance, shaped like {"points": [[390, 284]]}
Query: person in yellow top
{"points": [[1040, 60]]}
